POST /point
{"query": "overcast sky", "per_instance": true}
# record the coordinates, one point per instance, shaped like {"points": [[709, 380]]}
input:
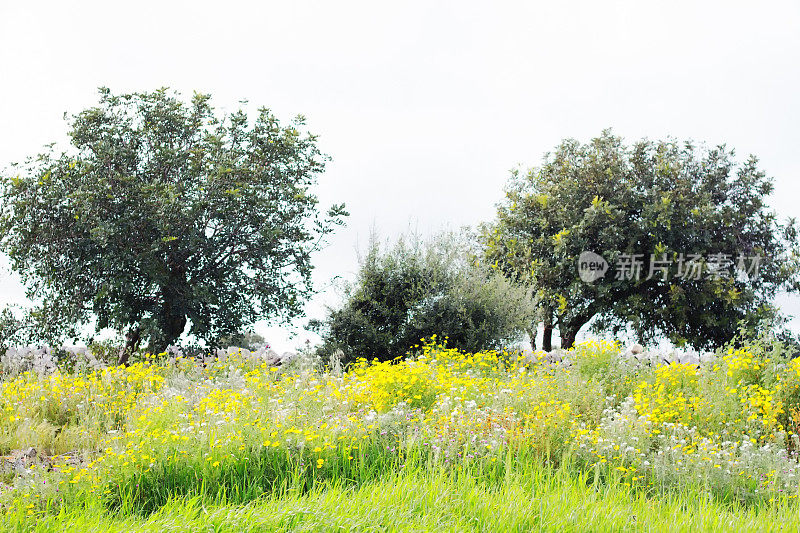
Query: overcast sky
{"points": [[424, 106]]}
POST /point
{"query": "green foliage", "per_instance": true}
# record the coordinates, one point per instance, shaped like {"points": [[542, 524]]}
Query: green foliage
{"points": [[249, 340], [10, 328], [417, 290], [107, 351], [659, 199], [165, 213], [38, 325]]}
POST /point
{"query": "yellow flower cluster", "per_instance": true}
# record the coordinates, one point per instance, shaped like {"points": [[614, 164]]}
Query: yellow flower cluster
{"points": [[742, 365], [103, 398], [759, 404], [671, 396]]}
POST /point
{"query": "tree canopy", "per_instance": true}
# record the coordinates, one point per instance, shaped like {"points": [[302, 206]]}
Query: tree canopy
{"points": [[164, 212], [644, 216]]}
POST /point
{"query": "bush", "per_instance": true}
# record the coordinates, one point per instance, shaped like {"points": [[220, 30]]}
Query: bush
{"points": [[419, 289], [249, 340]]}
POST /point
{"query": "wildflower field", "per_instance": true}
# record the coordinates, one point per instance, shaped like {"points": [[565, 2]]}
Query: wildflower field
{"points": [[440, 441]]}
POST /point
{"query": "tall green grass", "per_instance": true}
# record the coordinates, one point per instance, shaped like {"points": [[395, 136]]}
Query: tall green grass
{"points": [[539, 498]]}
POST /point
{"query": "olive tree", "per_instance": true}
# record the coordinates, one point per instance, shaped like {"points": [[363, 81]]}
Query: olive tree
{"points": [[416, 289]]}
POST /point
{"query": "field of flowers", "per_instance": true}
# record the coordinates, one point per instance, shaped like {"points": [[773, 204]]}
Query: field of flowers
{"points": [[442, 440]]}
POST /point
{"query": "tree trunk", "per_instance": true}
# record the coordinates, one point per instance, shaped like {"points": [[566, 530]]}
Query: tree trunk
{"points": [[171, 318], [547, 337], [569, 331], [568, 339], [532, 335], [131, 344], [172, 326]]}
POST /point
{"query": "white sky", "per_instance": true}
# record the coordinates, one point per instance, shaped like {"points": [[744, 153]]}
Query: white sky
{"points": [[424, 106]]}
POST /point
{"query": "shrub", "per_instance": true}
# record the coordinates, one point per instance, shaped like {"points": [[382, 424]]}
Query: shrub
{"points": [[419, 289], [249, 340]]}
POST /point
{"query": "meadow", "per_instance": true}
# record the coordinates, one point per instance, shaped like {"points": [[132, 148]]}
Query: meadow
{"points": [[441, 441]]}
